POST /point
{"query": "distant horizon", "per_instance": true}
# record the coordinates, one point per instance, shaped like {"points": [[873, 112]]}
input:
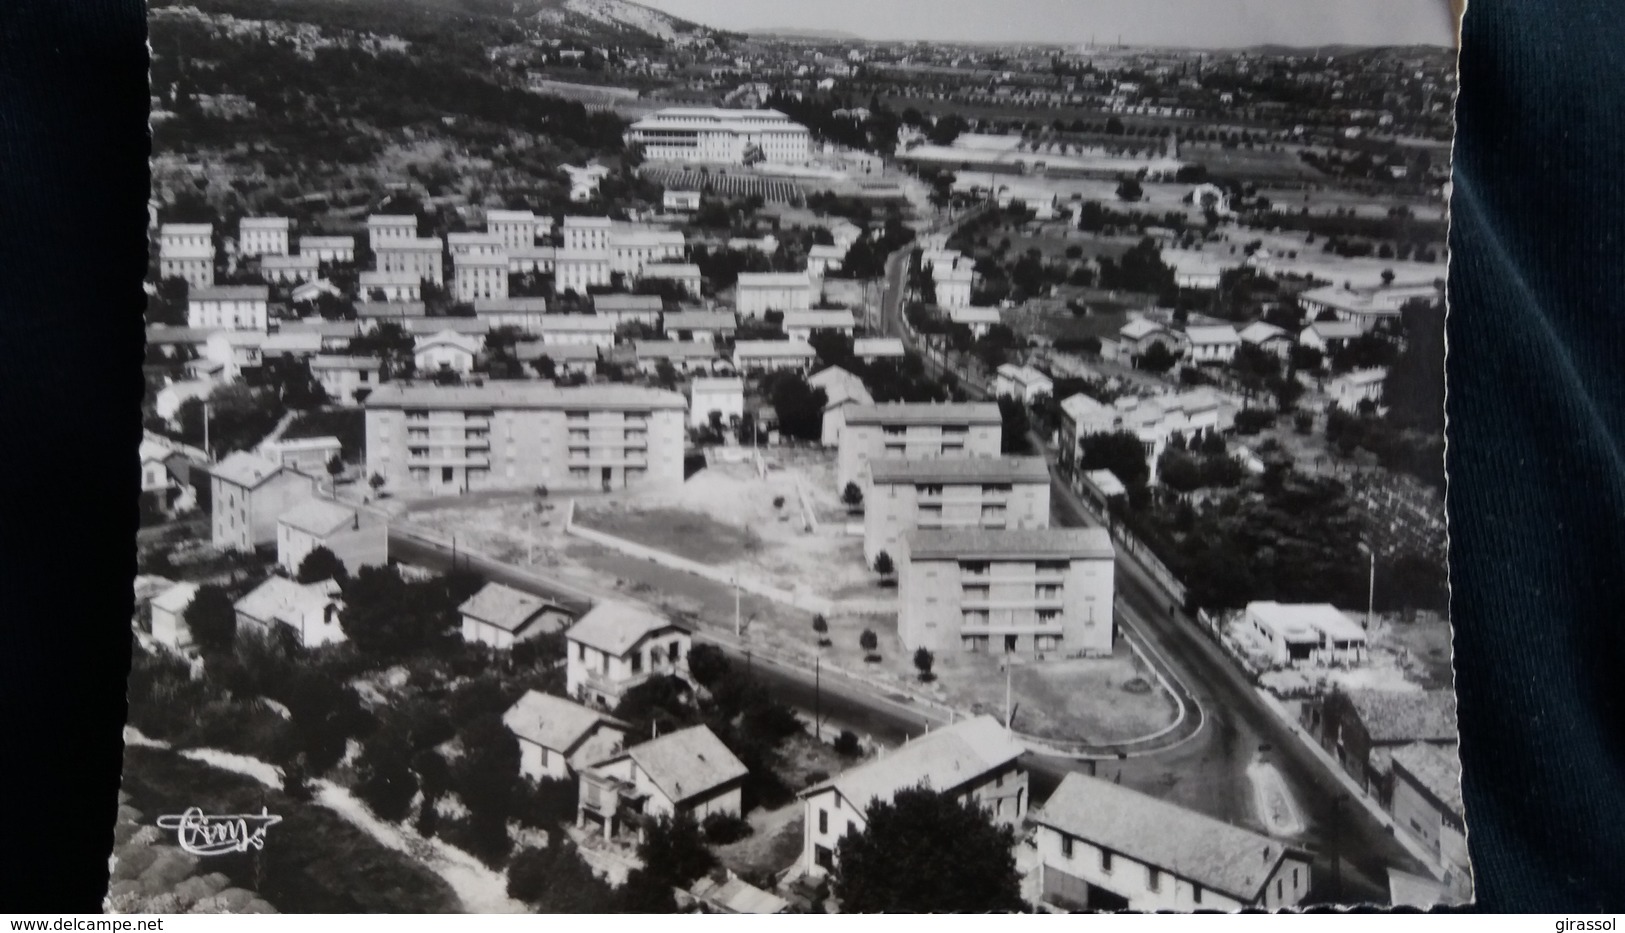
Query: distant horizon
{"points": [[1184, 24]]}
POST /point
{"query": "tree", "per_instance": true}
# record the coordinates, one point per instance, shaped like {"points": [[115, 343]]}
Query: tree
{"points": [[883, 564], [1129, 189], [852, 495], [1013, 437], [800, 407], [924, 852], [376, 481], [387, 783], [321, 564], [869, 641], [821, 627], [335, 467], [1158, 359], [1121, 453], [1179, 471], [556, 880], [385, 616], [674, 851], [847, 745], [923, 660], [326, 713], [708, 665], [212, 619]]}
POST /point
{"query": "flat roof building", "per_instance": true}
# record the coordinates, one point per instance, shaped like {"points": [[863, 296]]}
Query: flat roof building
{"points": [[915, 430], [939, 492], [716, 135]]}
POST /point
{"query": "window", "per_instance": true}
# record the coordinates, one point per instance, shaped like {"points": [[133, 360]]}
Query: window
{"points": [[995, 489], [1047, 591], [1105, 860], [894, 431], [1053, 565], [637, 662], [928, 489], [1066, 846], [973, 567], [581, 652], [1196, 894], [1294, 879], [1153, 879], [823, 821], [1278, 893], [1049, 615], [674, 652]]}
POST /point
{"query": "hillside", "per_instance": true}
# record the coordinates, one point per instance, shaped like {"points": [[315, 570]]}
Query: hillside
{"points": [[610, 23]]}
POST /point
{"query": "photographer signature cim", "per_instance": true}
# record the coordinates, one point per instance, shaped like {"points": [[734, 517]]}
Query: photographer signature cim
{"points": [[206, 834]]}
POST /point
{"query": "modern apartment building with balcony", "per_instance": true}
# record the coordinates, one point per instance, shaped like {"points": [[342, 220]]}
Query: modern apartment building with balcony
{"points": [[941, 492], [440, 440], [1038, 591], [915, 431]]}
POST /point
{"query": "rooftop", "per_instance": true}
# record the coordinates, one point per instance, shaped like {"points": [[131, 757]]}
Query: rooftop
{"points": [[628, 303], [368, 363], [510, 306], [1140, 327], [1406, 716], [319, 517], [616, 628], [245, 469], [504, 607], [943, 760], [926, 413], [687, 763], [176, 598], [576, 324], [279, 599], [1010, 543], [773, 348], [703, 384], [1308, 618], [609, 397], [263, 223], [774, 280], [230, 293], [819, 319], [878, 346], [966, 470], [1225, 858], [1436, 768], [1219, 334], [367, 309], [1260, 331], [1336, 330], [974, 315], [700, 320], [593, 223], [554, 722], [673, 349]]}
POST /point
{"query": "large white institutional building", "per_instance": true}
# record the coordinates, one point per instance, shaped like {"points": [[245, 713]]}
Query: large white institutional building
{"points": [[708, 134]]}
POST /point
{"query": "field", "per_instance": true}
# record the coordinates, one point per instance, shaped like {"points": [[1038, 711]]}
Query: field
{"points": [[1096, 700], [1254, 165]]}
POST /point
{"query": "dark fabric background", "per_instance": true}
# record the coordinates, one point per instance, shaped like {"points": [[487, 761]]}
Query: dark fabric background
{"points": [[1537, 383]]}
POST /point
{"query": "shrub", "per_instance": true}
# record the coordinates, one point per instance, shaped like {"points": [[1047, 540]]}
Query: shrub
{"points": [[847, 745], [723, 828]]}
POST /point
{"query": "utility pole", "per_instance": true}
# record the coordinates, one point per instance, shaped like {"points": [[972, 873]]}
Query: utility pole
{"points": [[1007, 710], [1371, 587], [739, 629], [208, 452], [818, 696]]}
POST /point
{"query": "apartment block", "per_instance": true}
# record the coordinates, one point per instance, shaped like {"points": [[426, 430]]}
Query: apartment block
{"points": [[982, 492], [389, 229], [1034, 591], [481, 275], [234, 307], [915, 431], [262, 236], [328, 248], [418, 257], [518, 229], [452, 439]]}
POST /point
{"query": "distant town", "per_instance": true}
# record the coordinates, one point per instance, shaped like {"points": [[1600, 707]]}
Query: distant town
{"points": [[594, 462]]}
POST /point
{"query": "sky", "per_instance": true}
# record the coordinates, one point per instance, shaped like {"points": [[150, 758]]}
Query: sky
{"points": [[1188, 23]]}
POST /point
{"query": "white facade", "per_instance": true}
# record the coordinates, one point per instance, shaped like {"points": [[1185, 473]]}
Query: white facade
{"points": [[681, 201], [232, 307], [579, 271], [587, 234], [760, 292], [616, 646], [772, 355], [518, 229], [726, 396], [445, 352], [262, 236], [481, 275], [734, 137], [394, 286], [328, 248], [578, 330], [289, 270], [389, 229], [422, 258]]}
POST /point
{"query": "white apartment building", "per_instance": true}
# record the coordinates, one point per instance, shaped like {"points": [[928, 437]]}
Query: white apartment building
{"points": [[387, 229], [518, 229], [915, 430], [233, 307], [328, 248], [577, 271], [1214, 343], [539, 259], [441, 440], [390, 286], [341, 376], [186, 251], [979, 320], [476, 243], [699, 326], [760, 292], [681, 201], [480, 275], [685, 274], [446, 352], [724, 395], [262, 236], [1306, 633], [733, 137], [940, 492], [1021, 382], [801, 325], [523, 314], [289, 270], [423, 258], [975, 761], [577, 330], [1103, 846], [587, 234], [629, 309], [630, 250], [1035, 591], [752, 356], [954, 287]]}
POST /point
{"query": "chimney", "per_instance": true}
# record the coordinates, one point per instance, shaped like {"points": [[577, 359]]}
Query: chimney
{"points": [[1266, 855]]}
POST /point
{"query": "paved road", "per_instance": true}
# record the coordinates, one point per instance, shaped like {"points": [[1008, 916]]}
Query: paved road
{"points": [[1208, 771]]}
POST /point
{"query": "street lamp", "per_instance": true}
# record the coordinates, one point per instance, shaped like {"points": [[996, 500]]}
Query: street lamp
{"points": [[1371, 589]]}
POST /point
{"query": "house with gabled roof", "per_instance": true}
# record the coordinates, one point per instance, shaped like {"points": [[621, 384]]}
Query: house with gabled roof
{"points": [[616, 646], [248, 493], [310, 611], [1362, 728], [359, 538], [685, 773], [1103, 846], [557, 737], [1427, 805], [975, 761], [499, 616], [168, 616]]}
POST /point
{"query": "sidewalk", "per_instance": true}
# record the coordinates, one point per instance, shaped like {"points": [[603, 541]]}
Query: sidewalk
{"points": [[1383, 817]]}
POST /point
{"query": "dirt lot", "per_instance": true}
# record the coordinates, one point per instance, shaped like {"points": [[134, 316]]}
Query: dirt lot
{"points": [[731, 518], [1099, 700]]}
